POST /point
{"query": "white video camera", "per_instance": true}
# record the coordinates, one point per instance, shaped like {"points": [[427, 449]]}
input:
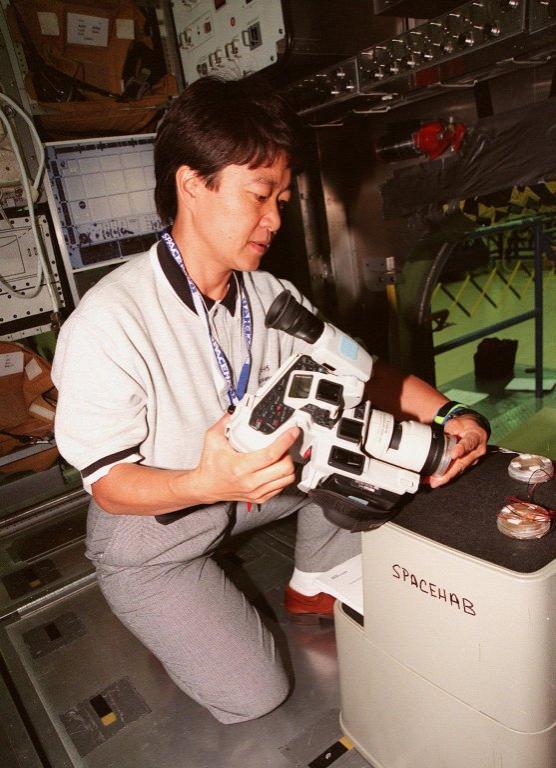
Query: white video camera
{"points": [[358, 461]]}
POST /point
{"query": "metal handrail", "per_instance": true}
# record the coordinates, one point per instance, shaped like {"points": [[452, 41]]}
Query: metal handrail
{"points": [[541, 245]]}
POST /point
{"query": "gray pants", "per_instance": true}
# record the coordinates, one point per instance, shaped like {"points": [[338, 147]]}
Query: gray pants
{"points": [[162, 584]]}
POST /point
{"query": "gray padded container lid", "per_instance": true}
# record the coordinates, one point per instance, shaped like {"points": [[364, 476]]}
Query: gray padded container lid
{"points": [[462, 515]]}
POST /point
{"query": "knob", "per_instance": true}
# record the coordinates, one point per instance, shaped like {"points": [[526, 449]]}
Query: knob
{"points": [[454, 22], [491, 29], [477, 11], [398, 47], [550, 6], [466, 39], [414, 60]]}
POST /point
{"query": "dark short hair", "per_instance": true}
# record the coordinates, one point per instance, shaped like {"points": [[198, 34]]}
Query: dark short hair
{"points": [[215, 123]]}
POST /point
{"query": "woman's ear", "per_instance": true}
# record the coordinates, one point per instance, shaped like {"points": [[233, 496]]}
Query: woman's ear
{"points": [[187, 183]]}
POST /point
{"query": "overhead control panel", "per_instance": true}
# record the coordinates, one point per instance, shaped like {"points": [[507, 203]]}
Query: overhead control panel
{"points": [[331, 86], [231, 38], [415, 9], [446, 38], [449, 48], [542, 14], [286, 38]]}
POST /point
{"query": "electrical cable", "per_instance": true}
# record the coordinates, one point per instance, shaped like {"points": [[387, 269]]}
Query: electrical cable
{"points": [[34, 135], [42, 262], [28, 195], [4, 216], [529, 467], [523, 518], [10, 177], [520, 519]]}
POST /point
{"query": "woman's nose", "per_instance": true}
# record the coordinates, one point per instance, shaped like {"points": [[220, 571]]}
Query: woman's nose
{"points": [[271, 219]]}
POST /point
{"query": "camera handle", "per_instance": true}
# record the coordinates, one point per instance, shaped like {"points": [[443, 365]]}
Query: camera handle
{"points": [[350, 515]]}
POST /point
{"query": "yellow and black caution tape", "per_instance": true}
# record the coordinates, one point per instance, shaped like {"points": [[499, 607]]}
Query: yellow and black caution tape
{"points": [[506, 204], [331, 754]]}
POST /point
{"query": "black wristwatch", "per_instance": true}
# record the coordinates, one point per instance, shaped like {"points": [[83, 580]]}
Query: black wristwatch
{"points": [[451, 409]]}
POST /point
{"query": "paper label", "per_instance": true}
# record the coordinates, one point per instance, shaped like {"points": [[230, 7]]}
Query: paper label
{"points": [[42, 412], [87, 30], [48, 22], [465, 397], [125, 29], [344, 582], [32, 369], [528, 384], [10, 363]]}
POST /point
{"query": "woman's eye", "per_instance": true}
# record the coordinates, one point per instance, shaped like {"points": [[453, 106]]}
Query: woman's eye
{"points": [[282, 204], [261, 198]]}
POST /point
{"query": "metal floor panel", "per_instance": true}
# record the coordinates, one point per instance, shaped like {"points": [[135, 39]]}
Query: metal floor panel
{"points": [[41, 559], [16, 747], [70, 658]]}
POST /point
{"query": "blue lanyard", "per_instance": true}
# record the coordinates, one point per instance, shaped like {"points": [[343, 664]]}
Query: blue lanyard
{"points": [[234, 393]]}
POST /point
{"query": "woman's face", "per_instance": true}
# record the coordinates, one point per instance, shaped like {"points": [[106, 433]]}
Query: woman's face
{"points": [[233, 223]]}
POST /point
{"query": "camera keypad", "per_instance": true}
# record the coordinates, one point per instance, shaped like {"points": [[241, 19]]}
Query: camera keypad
{"points": [[272, 412]]}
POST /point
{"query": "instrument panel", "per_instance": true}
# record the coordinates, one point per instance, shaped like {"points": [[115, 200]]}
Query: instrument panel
{"points": [[446, 48], [229, 38], [21, 315], [101, 194]]}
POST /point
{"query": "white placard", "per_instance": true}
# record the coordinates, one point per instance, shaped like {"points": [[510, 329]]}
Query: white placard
{"points": [[48, 23], [125, 29], [87, 30], [11, 362], [345, 583], [464, 397], [32, 369], [43, 413], [528, 385]]}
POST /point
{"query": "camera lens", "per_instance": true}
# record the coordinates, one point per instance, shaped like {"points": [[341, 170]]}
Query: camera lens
{"points": [[440, 453], [408, 444], [288, 315]]}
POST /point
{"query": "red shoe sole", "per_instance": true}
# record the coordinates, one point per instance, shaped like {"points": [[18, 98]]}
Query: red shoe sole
{"points": [[309, 619]]}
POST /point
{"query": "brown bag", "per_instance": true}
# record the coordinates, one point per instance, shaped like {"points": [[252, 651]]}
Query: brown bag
{"points": [[101, 116], [44, 28], [27, 403]]}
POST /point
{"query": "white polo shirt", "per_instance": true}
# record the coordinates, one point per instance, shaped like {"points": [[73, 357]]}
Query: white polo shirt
{"points": [[136, 372]]}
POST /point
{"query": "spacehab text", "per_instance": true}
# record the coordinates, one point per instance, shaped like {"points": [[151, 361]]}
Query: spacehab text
{"points": [[433, 590]]}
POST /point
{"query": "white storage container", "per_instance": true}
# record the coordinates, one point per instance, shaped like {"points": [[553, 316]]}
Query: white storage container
{"points": [[455, 664]]}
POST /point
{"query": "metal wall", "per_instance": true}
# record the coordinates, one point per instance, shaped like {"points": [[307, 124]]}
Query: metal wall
{"points": [[367, 254]]}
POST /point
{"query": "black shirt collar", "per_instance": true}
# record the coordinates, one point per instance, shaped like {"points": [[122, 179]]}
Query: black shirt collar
{"points": [[178, 281]]}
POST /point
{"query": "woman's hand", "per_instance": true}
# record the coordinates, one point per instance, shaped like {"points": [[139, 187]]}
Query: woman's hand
{"points": [[225, 474], [471, 445]]}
